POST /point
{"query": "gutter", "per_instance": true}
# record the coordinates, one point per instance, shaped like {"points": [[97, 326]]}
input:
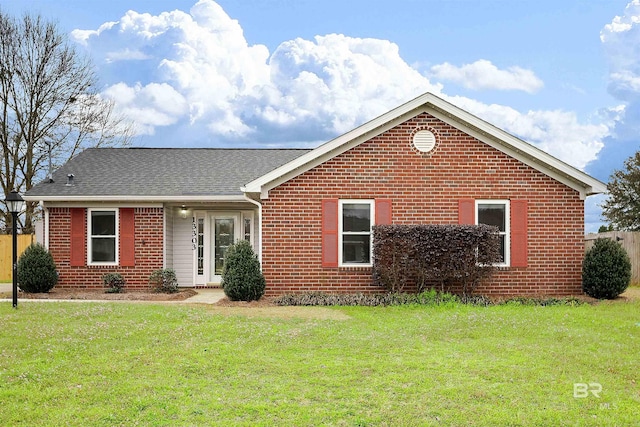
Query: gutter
{"points": [[129, 198], [259, 205]]}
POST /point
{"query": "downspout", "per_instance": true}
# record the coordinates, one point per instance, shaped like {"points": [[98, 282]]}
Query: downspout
{"points": [[259, 205], [164, 236], [45, 226]]}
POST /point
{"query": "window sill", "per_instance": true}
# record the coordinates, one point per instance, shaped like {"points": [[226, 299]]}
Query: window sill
{"points": [[355, 266], [102, 265]]}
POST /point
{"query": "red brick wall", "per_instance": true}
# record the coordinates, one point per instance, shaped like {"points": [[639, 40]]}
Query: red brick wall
{"points": [[424, 188], [148, 251]]}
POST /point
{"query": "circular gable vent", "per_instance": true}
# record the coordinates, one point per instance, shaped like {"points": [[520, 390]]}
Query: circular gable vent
{"points": [[424, 141]]}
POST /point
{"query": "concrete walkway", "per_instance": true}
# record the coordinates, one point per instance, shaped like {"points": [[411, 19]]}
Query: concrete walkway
{"points": [[206, 296], [203, 296]]}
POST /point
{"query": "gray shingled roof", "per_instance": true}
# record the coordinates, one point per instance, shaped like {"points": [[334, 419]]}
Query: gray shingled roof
{"points": [[163, 172]]}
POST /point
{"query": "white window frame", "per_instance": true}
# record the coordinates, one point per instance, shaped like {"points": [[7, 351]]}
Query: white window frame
{"points": [[116, 212], [244, 216], [341, 233], [507, 227]]}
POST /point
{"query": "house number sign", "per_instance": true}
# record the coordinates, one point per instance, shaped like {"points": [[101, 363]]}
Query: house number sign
{"points": [[194, 234]]}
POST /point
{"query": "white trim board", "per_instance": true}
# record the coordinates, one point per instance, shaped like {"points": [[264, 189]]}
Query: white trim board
{"points": [[449, 113]]}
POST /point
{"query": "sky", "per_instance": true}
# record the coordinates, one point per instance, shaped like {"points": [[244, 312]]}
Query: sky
{"points": [[562, 75]]}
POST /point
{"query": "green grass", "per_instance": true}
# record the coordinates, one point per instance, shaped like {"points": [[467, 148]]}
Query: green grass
{"points": [[166, 365]]}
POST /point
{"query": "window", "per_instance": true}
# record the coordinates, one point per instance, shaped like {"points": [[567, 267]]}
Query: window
{"points": [[247, 226], [496, 213], [355, 220], [200, 245], [103, 236]]}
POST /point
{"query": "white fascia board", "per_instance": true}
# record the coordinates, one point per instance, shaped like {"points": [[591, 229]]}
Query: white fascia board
{"points": [[449, 113], [334, 147], [519, 149], [136, 199]]}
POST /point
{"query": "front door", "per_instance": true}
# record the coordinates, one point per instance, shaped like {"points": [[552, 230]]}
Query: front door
{"points": [[225, 231], [212, 234]]}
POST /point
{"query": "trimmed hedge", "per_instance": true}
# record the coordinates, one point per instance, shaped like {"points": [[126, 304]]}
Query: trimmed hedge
{"points": [[434, 255], [606, 270], [36, 270], [242, 279]]}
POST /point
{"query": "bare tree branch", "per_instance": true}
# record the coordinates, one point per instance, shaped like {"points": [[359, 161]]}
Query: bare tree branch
{"points": [[49, 106]]}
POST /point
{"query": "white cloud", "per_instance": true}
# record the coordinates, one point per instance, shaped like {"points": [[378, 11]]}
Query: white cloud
{"points": [[125, 55], [482, 74], [593, 213], [626, 80], [151, 106], [559, 133], [621, 41], [621, 44], [82, 36], [196, 71], [622, 24], [339, 81]]}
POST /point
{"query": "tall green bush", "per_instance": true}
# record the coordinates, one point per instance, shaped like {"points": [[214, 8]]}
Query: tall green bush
{"points": [[606, 270], [36, 270], [242, 279]]}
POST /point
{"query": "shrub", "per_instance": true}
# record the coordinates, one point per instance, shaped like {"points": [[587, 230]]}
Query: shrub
{"points": [[36, 270], [164, 280], [242, 279], [114, 282], [542, 302], [606, 270], [427, 298], [429, 255]]}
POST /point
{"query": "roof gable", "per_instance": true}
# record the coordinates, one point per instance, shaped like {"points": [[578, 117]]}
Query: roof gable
{"points": [[448, 113]]}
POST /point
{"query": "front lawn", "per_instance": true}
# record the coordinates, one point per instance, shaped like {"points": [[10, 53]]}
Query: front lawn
{"points": [[146, 364]]}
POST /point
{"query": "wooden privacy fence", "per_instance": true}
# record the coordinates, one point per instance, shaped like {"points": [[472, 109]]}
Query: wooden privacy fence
{"points": [[6, 252], [629, 240]]}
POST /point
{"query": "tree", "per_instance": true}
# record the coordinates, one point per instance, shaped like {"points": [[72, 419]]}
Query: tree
{"points": [[622, 207], [605, 228], [50, 109]]}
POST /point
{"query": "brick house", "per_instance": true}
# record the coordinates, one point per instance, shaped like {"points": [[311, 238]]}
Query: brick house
{"points": [[309, 213]]}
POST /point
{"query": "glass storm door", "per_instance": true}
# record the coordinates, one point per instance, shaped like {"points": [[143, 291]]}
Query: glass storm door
{"points": [[224, 235]]}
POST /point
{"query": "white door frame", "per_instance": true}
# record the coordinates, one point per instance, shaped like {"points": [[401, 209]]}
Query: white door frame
{"points": [[208, 218]]}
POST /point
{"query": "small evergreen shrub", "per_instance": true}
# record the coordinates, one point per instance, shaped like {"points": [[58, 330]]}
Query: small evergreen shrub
{"points": [[36, 270], [242, 279], [114, 283], [606, 270], [164, 280]]}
